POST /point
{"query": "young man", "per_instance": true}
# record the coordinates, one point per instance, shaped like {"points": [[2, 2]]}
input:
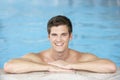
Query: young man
{"points": [[59, 57]]}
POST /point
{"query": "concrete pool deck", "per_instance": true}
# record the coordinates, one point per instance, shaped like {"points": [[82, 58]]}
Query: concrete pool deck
{"points": [[81, 75]]}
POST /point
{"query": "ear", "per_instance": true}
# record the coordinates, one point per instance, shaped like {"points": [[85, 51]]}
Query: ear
{"points": [[71, 36], [49, 36]]}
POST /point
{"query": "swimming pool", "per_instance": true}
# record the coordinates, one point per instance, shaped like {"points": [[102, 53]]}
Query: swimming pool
{"points": [[96, 26]]}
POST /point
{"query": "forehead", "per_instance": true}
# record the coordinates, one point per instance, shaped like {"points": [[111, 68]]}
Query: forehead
{"points": [[60, 28]]}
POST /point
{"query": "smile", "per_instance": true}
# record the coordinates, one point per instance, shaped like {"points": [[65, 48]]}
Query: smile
{"points": [[59, 44]]}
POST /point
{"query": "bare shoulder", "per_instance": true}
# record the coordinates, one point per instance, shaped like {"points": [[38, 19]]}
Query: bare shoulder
{"points": [[88, 57], [28, 55], [83, 56], [43, 54], [35, 57]]}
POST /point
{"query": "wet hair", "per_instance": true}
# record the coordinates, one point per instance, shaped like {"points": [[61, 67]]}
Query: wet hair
{"points": [[59, 20]]}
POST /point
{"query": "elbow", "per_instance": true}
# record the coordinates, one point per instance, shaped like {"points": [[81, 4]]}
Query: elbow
{"points": [[112, 68], [108, 66], [8, 67]]}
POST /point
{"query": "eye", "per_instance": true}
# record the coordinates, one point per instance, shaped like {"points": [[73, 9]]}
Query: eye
{"points": [[64, 34], [53, 34]]}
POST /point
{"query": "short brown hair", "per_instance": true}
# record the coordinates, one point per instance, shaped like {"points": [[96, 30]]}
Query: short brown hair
{"points": [[59, 20]]}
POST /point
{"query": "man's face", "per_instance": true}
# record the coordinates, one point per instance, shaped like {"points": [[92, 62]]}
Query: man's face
{"points": [[59, 38]]}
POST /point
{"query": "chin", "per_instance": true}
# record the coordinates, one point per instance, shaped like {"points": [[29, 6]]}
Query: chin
{"points": [[59, 51]]}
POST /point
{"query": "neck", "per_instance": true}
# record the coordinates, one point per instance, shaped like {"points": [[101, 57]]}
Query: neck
{"points": [[60, 55]]}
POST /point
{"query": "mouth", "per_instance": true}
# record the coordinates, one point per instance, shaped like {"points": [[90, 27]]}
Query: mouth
{"points": [[59, 44]]}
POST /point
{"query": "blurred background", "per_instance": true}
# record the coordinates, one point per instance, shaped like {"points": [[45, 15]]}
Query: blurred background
{"points": [[96, 26]]}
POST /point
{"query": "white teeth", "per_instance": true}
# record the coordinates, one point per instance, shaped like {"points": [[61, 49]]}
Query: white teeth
{"points": [[59, 44]]}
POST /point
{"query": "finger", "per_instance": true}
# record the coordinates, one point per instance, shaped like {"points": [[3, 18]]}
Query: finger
{"points": [[61, 70]]}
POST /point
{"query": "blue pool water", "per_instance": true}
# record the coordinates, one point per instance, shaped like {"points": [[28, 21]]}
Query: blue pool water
{"points": [[96, 25]]}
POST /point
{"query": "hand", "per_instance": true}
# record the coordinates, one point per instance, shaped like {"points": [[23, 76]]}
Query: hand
{"points": [[61, 64], [53, 68]]}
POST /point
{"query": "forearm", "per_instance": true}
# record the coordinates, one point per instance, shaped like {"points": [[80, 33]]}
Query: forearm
{"points": [[95, 66], [22, 66]]}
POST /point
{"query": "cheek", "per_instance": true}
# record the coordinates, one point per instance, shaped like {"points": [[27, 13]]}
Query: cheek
{"points": [[66, 40], [52, 40]]}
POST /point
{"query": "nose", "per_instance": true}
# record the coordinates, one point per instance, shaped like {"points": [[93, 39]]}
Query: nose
{"points": [[58, 38]]}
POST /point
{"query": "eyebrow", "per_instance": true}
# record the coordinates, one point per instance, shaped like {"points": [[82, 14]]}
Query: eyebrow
{"points": [[61, 34], [53, 34], [64, 33]]}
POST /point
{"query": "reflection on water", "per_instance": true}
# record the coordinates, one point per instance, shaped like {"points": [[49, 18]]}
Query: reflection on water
{"points": [[96, 26]]}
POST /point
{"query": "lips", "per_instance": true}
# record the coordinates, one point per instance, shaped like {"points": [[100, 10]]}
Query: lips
{"points": [[59, 44]]}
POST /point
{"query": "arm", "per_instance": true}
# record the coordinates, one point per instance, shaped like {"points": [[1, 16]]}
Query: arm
{"points": [[29, 63], [88, 62], [23, 65], [99, 65], [93, 63]]}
